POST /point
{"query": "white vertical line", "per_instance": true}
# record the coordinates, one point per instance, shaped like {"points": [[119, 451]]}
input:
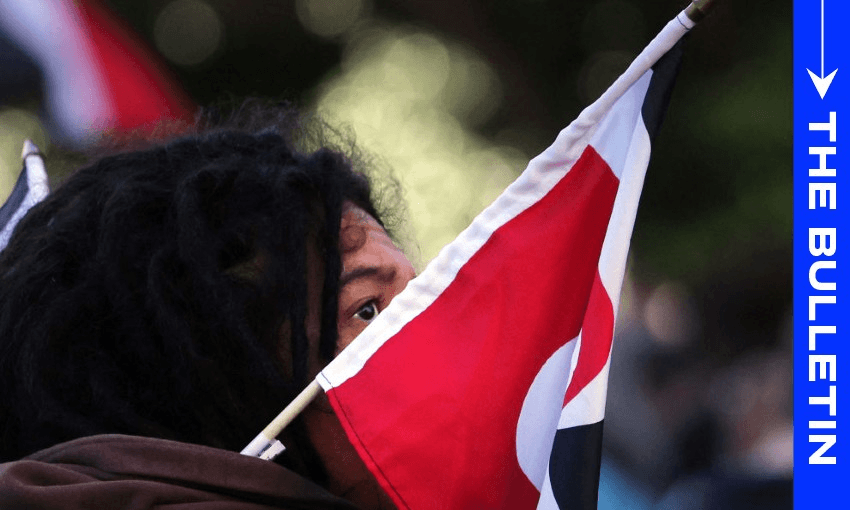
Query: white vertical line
{"points": [[821, 38]]}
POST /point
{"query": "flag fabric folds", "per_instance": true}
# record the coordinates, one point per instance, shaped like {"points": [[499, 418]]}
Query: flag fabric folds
{"points": [[96, 74], [483, 384], [31, 188]]}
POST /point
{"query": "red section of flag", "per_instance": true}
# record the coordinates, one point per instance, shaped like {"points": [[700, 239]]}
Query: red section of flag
{"points": [[429, 412], [597, 333], [140, 91]]}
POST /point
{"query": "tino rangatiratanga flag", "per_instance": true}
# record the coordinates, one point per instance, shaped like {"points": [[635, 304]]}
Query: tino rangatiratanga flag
{"points": [[483, 384], [95, 74], [31, 188]]}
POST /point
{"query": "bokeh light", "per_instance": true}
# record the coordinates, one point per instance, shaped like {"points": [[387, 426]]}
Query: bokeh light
{"points": [[669, 314], [611, 42], [600, 71], [412, 98], [188, 32], [473, 91], [16, 125], [331, 18]]}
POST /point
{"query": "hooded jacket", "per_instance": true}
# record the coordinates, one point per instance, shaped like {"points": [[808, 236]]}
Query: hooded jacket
{"points": [[134, 473]]}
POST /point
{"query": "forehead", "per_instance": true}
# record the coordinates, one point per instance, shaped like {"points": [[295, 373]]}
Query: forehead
{"points": [[353, 215], [357, 228]]}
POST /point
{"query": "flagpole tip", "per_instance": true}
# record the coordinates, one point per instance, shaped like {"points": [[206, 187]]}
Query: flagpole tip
{"points": [[29, 149], [698, 10]]}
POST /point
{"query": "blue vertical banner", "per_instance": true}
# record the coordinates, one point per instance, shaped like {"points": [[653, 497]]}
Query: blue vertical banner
{"points": [[821, 241]]}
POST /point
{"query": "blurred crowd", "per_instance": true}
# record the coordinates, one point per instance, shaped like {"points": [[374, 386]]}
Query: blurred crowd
{"points": [[686, 427]]}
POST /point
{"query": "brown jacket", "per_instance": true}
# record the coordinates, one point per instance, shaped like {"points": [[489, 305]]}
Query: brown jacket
{"points": [[127, 472]]}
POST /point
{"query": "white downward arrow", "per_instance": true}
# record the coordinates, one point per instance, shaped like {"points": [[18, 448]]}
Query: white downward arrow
{"points": [[821, 83]]}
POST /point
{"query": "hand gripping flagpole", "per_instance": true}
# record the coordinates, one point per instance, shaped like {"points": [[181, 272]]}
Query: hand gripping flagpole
{"points": [[265, 445]]}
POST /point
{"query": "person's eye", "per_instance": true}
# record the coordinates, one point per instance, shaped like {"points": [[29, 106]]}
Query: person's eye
{"points": [[368, 311]]}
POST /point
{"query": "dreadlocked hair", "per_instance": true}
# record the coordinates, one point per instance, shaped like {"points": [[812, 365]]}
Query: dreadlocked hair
{"points": [[152, 292]]}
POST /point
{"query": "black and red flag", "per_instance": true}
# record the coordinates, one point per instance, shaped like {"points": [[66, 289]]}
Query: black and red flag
{"points": [[483, 384], [95, 75]]}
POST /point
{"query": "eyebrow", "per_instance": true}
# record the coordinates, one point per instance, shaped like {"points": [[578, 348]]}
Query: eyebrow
{"points": [[382, 273]]}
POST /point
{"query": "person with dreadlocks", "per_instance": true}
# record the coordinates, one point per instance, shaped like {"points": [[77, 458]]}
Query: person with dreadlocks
{"points": [[163, 304]]}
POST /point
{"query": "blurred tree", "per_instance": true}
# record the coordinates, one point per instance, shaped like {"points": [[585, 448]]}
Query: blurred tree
{"points": [[719, 186]]}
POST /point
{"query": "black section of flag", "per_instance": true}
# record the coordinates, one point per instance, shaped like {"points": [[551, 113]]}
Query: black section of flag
{"points": [[660, 88], [16, 198], [574, 466]]}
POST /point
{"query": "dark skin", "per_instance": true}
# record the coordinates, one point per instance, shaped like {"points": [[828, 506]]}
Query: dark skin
{"points": [[374, 272]]}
